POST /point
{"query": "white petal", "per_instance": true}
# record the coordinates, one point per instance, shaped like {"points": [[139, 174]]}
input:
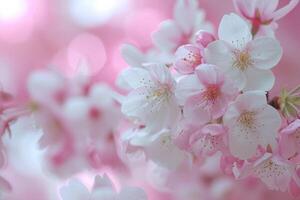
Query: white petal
{"points": [[200, 23], [231, 115], [265, 52], [167, 36], [74, 191], [220, 54], [234, 30], [132, 55], [160, 73], [44, 85], [259, 80], [136, 104], [103, 92], [184, 14], [102, 181], [242, 142], [187, 86], [136, 77], [237, 77], [132, 193], [245, 7], [164, 152], [103, 194], [251, 100], [270, 123]]}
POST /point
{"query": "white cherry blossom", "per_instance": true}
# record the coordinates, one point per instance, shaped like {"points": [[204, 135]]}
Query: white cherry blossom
{"points": [[245, 61], [251, 122], [152, 101]]}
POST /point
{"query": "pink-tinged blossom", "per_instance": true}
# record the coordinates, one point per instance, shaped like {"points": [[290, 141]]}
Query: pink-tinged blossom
{"points": [[205, 94], [103, 189], [247, 62], [187, 58], [289, 142], [263, 14], [159, 148], [251, 122], [204, 38], [187, 20], [152, 100], [272, 170], [208, 140]]}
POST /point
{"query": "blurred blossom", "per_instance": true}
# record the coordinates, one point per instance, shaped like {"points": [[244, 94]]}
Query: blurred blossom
{"points": [[86, 48]]}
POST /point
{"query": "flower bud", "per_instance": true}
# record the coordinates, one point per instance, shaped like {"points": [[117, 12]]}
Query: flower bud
{"points": [[203, 38]]}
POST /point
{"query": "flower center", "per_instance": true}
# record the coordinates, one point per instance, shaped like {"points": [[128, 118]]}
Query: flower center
{"points": [[242, 60], [159, 93], [193, 58], [212, 92], [247, 119], [166, 140]]}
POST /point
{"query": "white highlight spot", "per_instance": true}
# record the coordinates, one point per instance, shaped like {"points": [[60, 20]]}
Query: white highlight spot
{"points": [[12, 9], [94, 12]]}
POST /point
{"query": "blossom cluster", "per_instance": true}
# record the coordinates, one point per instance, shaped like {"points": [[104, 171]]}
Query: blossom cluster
{"points": [[207, 95], [194, 109]]}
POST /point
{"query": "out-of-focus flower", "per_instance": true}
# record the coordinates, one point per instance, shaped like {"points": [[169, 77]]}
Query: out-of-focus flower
{"points": [[78, 119], [205, 94], [103, 189], [159, 148], [251, 122], [246, 61], [188, 19], [262, 14], [152, 101]]}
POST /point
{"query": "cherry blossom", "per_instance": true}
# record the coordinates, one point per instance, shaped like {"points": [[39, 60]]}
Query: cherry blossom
{"points": [[245, 61], [187, 59], [159, 148], [152, 101], [103, 189], [263, 15], [274, 171], [208, 140], [204, 38], [289, 141], [205, 94], [251, 122], [188, 19]]}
